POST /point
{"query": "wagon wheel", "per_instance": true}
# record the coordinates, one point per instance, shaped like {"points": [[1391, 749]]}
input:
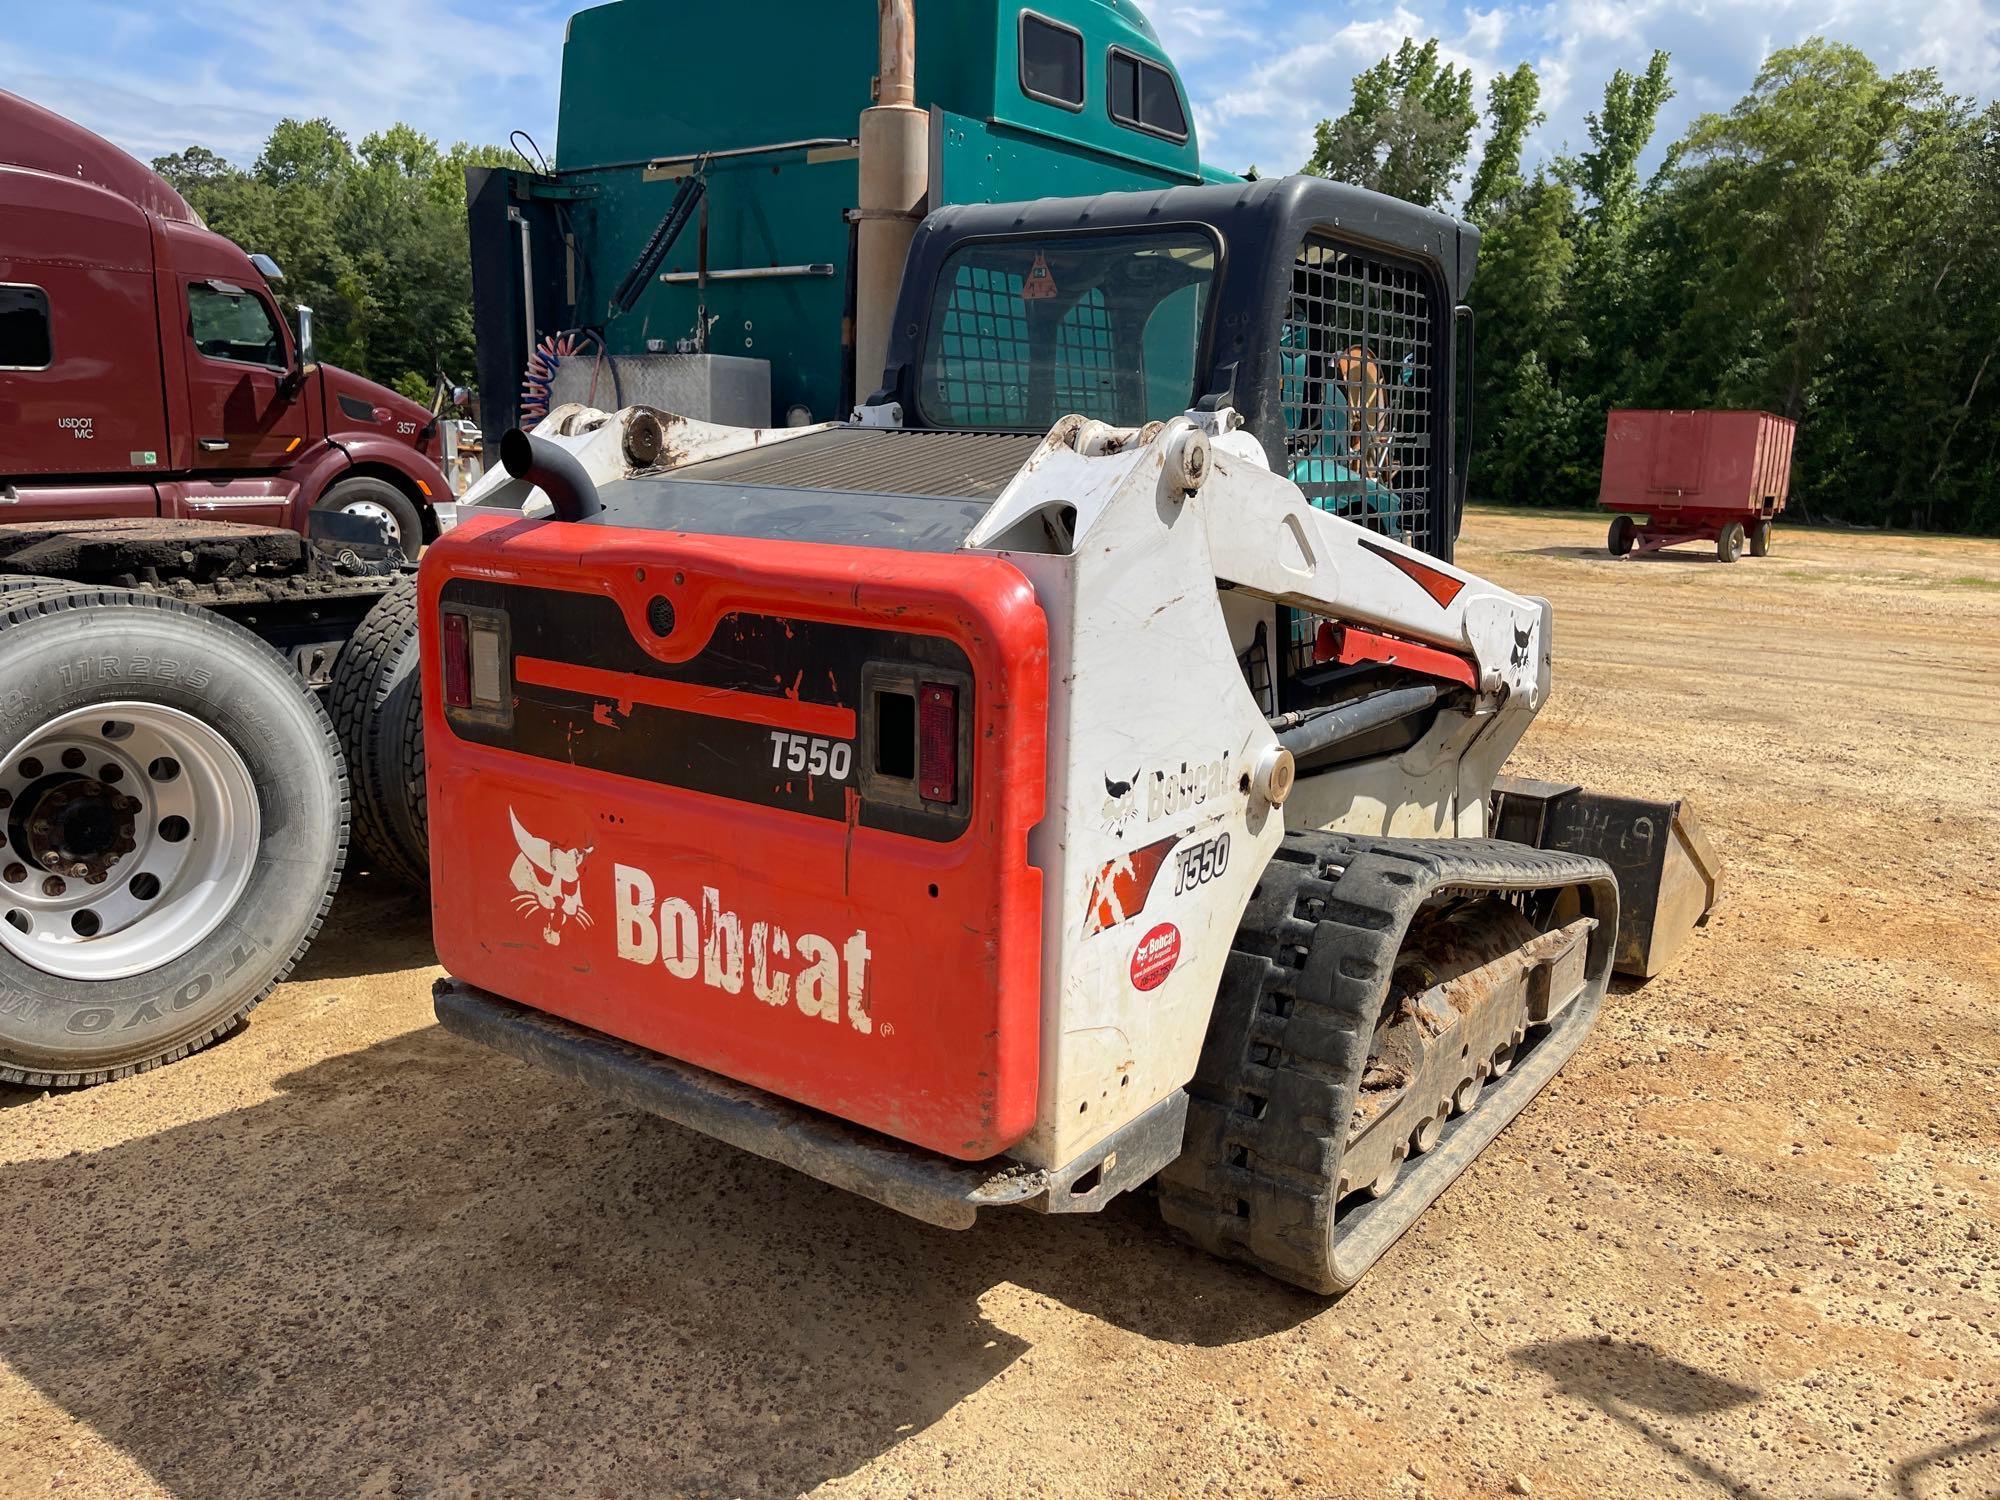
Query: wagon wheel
{"points": [[1729, 546], [1760, 539], [1620, 541]]}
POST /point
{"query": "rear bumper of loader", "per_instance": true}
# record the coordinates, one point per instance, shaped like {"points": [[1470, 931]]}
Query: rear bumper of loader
{"points": [[923, 1184]]}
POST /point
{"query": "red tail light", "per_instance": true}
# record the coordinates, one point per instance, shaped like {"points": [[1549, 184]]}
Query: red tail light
{"points": [[457, 655], [937, 742]]}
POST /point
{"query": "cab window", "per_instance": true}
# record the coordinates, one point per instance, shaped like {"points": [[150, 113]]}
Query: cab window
{"points": [[1025, 330], [1051, 61], [24, 329], [227, 322], [1142, 96]]}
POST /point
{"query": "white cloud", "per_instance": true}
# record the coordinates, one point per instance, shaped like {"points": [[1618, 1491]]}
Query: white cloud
{"points": [[226, 70], [1484, 29], [1266, 112], [1259, 102], [1260, 73]]}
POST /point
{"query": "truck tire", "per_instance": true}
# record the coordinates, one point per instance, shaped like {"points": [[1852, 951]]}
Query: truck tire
{"points": [[1729, 546], [377, 705], [1620, 541], [176, 822], [1760, 539], [380, 501]]}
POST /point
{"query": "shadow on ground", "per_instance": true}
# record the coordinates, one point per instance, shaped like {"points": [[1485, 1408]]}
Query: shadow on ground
{"points": [[420, 1265], [1916, 1467], [1703, 552], [378, 925], [1635, 1385]]}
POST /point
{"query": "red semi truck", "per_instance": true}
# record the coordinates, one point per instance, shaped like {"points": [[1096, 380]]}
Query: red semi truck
{"points": [[145, 369], [206, 654]]}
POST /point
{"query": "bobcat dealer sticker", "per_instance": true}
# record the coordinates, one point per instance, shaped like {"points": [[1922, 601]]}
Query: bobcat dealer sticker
{"points": [[1154, 959]]}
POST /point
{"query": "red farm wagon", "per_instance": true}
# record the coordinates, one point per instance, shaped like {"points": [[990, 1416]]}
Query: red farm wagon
{"points": [[1695, 476]]}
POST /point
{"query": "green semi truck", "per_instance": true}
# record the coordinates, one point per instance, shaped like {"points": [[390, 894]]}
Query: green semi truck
{"points": [[707, 197]]}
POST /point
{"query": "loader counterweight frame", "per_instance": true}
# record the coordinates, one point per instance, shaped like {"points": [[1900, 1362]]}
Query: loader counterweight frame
{"points": [[670, 824]]}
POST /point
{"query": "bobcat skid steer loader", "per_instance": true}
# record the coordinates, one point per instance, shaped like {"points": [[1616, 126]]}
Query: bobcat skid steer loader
{"points": [[1070, 774]]}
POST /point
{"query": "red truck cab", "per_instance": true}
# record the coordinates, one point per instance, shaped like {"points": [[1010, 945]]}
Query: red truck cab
{"points": [[145, 368]]}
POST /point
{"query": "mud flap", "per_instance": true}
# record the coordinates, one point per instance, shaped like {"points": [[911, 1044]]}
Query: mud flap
{"points": [[1668, 872]]}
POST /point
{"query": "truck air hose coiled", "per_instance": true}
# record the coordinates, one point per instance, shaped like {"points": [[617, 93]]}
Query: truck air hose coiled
{"points": [[538, 379]]}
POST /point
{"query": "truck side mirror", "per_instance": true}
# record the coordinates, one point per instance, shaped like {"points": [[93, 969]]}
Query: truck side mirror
{"points": [[302, 357]]}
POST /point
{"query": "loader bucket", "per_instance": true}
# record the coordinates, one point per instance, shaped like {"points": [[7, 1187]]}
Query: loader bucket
{"points": [[1667, 870]]}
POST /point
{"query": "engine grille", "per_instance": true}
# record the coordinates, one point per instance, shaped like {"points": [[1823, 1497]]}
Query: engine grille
{"points": [[1362, 390], [881, 461]]}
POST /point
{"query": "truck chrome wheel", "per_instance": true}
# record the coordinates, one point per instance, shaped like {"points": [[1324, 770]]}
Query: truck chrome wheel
{"points": [[131, 832], [375, 499], [380, 514]]}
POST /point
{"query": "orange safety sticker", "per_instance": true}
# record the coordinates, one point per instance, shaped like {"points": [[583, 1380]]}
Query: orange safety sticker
{"points": [[1040, 283]]}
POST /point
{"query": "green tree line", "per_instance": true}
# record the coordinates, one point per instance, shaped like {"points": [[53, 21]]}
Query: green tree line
{"points": [[371, 237], [1823, 250]]}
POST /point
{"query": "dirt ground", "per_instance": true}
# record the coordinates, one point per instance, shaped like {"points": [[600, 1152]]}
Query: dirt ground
{"points": [[1748, 1243]]}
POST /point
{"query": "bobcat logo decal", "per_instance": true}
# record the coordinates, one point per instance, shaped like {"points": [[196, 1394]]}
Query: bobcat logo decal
{"points": [[1522, 640], [1119, 803], [547, 883]]}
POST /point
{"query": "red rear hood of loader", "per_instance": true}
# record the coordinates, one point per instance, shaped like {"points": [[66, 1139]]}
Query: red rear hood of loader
{"points": [[625, 842]]}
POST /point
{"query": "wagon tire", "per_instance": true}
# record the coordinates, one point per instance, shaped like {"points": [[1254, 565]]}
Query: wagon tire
{"points": [[1729, 546], [1760, 539], [377, 705], [380, 501], [1620, 541], [180, 766]]}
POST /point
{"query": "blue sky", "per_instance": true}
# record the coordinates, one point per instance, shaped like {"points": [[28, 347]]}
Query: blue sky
{"points": [[158, 76]]}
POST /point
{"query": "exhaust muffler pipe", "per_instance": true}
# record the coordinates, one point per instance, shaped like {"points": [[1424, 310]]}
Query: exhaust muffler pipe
{"points": [[552, 469], [894, 179]]}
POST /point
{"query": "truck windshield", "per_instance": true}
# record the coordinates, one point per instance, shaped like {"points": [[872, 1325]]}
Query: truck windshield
{"points": [[1024, 331]]}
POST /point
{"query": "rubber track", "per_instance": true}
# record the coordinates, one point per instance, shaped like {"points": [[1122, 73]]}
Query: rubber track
{"points": [[18, 606], [384, 759], [1302, 989]]}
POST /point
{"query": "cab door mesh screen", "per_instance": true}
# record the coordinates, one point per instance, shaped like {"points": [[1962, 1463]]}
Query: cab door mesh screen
{"points": [[985, 369], [983, 346], [1083, 359], [1363, 393]]}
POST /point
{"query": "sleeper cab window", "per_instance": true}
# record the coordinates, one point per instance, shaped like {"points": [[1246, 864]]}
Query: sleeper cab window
{"points": [[1142, 96], [1051, 61], [24, 329]]}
